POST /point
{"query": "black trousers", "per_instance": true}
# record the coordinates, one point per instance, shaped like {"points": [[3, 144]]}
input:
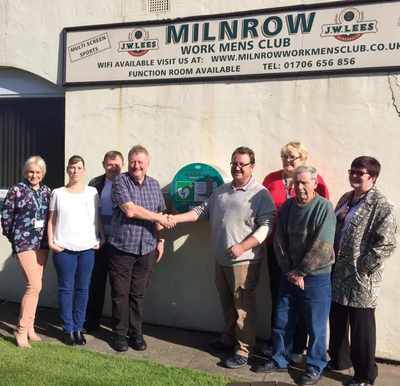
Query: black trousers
{"points": [[97, 289], [361, 353], [275, 272], [129, 278]]}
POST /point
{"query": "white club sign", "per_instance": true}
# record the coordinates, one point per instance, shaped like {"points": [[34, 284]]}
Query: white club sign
{"points": [[345, 37]]}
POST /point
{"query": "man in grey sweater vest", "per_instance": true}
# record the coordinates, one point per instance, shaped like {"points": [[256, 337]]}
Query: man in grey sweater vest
{"points": [[304, 250], [242, 215]]}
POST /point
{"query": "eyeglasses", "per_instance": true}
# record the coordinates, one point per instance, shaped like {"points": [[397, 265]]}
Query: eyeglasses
{"points": [[236, 164], [290, 158], [358, 173]]}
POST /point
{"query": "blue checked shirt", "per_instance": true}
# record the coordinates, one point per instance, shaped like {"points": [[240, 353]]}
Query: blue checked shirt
{"points": [[132, 235]]}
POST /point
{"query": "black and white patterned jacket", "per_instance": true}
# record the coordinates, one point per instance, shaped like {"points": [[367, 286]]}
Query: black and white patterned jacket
{"points": [[369, 240]]}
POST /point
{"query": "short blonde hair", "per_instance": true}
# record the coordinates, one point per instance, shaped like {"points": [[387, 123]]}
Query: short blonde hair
{"points": [[296, 146], [37, 160]]}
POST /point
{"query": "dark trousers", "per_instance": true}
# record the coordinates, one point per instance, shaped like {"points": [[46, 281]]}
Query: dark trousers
{"points": [[97, 289], [129, 277], [275, 272], [361, 353]]}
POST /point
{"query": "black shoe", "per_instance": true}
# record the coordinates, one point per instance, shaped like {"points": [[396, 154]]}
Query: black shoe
{"points": [[120, 343], [310, 378], [218, 346], [69, 339], [354, 382], [269, 367], [236, 361], [137, 342], [80, 339]]}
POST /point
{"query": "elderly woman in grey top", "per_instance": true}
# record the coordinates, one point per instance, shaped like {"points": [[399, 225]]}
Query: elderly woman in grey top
{"points": [[365, 238]]}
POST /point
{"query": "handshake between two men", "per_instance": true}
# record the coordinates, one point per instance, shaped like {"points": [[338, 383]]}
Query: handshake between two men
{"points": [[169, 221]]}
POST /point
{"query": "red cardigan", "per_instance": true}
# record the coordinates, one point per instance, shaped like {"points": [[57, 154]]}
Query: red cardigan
{"points": [[274, 183]]}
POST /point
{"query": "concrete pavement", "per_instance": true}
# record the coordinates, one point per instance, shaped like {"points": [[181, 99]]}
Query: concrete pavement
{"points": [[181, 348]]}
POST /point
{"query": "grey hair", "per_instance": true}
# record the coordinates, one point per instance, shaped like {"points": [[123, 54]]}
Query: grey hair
{"points": [[305, 168], [138, 149]]}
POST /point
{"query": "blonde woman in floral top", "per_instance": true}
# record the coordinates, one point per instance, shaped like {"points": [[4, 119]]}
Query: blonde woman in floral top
{"points": [[24, 221]]}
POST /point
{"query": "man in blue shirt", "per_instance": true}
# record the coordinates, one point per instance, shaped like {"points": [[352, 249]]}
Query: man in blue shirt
{"points": [[138, 204]]}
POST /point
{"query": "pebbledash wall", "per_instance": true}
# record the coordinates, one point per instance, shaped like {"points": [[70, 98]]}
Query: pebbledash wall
{"points": [[337, 117]]}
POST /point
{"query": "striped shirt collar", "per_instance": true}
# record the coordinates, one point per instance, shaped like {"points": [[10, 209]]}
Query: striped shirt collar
{"points": [[246, 187]]}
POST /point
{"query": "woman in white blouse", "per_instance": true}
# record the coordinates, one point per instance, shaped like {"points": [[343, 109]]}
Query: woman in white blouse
{"points": [[75, 232]]}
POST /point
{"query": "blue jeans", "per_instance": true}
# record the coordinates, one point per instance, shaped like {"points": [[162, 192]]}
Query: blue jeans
{"points": [[74, 270], [314, 301]]}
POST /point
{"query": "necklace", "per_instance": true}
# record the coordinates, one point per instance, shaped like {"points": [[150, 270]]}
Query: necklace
{"points": [[287, 188], [350, 203]]}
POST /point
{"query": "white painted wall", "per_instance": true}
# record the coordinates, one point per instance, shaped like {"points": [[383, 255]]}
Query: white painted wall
{"points": [[338, 118]]}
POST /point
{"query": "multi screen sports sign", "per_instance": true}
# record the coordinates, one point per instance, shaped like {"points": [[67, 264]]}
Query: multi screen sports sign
{"points": [[341, 37]]}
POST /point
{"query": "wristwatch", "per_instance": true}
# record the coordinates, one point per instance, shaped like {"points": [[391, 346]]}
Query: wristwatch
{"points": [[161, 241]]}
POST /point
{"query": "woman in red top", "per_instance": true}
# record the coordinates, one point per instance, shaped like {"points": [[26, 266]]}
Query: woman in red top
{"points": [[279, 184]]}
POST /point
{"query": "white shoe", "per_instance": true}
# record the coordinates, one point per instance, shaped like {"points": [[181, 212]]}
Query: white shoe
{"points": [[296, 358], [267, 350]]}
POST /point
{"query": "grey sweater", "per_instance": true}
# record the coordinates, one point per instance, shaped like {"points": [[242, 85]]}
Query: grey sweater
{"points": [[236, 215]]}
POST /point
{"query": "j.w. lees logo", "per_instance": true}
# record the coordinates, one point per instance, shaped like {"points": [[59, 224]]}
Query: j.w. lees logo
{"points": [[349, 25], [139, 43]]}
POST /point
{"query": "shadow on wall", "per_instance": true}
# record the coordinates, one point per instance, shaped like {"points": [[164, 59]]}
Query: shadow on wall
{"points": [[13, 284], [182, 291], [12, 288]]}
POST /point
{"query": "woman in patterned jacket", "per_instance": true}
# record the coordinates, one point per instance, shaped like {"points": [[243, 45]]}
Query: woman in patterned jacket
{"points": [[365, 238], [24, 223]]}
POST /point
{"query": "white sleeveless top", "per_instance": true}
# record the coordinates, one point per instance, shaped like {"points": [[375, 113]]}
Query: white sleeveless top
{"points": [[77, 226]]}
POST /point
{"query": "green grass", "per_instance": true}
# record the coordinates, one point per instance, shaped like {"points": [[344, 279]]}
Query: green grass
{"points": [[58, 365]]}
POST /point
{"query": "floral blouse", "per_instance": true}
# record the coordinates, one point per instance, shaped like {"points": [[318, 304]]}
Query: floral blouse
{"points": [[22, 207]]}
